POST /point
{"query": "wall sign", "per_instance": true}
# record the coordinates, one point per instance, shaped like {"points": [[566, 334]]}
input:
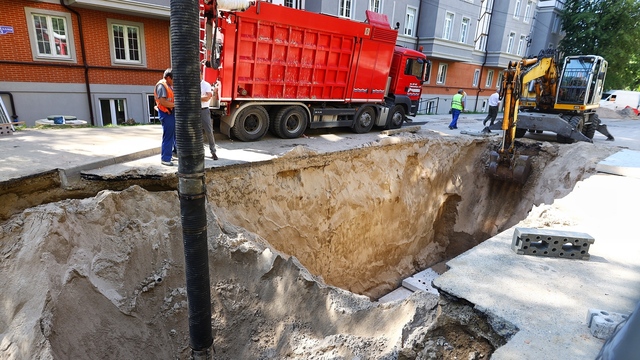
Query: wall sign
{"points": [[6, 29]]}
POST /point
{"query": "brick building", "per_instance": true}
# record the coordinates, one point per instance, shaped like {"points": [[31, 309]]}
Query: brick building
{"points": [[99, 59]]}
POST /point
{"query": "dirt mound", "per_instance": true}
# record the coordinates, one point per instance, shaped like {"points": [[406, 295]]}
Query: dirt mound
{"points": [[105, 275], [626, 113]]}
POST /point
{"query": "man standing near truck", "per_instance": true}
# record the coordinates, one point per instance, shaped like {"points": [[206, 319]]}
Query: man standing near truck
{"points": [[457, 105], [205, 115], [164, 102]]}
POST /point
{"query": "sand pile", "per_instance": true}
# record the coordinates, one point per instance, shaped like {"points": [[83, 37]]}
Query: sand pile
{"points": [[103, 278], [626, 113]]}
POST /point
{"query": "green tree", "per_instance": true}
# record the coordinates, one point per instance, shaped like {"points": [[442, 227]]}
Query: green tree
{"points": [[609, 28]]}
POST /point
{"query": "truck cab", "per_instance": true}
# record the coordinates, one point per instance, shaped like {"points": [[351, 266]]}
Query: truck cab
{"points": [[408, 73]]}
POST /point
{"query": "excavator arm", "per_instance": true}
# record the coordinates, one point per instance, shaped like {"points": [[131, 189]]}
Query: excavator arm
{"points": [[506, 164]]}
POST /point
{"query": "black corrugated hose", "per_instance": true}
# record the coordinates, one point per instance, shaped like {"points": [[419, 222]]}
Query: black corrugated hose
{"points": [[191, 186]]}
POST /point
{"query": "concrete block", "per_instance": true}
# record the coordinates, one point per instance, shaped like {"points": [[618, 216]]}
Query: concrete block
{"points": [[6, 129], [398, 294], [421, 281], [551, 243], [602, 323]]}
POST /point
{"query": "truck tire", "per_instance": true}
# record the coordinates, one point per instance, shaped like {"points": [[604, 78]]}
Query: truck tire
{"points": [[577, 123], [364, 120], [290, 122], [396, 117], [590, 129], [251, 123]]}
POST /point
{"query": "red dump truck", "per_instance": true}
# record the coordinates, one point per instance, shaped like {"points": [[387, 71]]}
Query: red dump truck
{"points": [[286, 70]]}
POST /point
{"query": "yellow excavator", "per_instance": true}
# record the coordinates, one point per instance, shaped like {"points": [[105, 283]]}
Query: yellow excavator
{"points": [[539, 97]]}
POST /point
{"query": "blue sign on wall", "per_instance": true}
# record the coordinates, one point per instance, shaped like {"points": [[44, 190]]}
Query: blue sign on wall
{"points": [[6, 29]]}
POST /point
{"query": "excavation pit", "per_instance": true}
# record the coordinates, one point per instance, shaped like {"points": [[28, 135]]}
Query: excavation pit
{"points": [[299, 246]]}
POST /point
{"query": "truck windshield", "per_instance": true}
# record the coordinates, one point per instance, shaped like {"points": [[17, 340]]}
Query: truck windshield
{"points": [[415, 67], [575, 80]]}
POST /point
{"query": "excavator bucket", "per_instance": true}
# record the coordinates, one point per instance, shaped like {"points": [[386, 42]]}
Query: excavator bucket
{"points": [[514, 168]]}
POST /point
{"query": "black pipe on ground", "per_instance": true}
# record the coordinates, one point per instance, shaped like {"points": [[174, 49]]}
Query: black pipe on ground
{"points": [[191, 186]]}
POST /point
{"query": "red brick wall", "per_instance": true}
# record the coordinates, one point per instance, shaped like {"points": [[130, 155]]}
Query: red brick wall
{"points": [[17, 49], [460, 76]]}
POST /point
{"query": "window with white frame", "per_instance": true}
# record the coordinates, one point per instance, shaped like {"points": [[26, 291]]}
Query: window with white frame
{"points": [[410, 21], [521, 43], [126, 40], [151, 105], [296, 4], [50, 35], [448, 25], [489, 78], [499, 80], [442, 73], [464, 30], [516, 11], [512, 38], [476, 77], [345, 9], [527, 11], [113, 111], [556, 24], [375, 5]]}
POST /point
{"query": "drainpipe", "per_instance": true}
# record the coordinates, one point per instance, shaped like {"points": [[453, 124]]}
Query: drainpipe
{"points": [[84, 60], [484, 61], [191, 186], [14, 116]]}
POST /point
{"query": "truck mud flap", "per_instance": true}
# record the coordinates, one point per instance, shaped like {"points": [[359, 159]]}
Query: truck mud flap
{"points": [[546, 122]]}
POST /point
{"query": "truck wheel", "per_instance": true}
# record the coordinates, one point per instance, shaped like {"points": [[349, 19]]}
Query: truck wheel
{"points": [[576, 122], [251, 124], [590, 129], [365, 118], [290, 122], [396, 117]]}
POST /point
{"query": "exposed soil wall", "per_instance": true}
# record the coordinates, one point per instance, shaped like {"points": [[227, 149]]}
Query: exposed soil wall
{"points": [[364, 219], [104, 276]]}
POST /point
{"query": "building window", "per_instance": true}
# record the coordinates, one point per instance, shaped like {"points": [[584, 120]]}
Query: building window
{"points": [[516, 11], [50, 35], [126, 40], [556, 24], [113, 111], [476, 77], [296, 4], [464, 30], [448, 24], [512, 38], [499, 81], [410, 21], [375, 5], [345, 9], [153, 113], [442, 73], [521, 43], [527, 11], [489, 78]]}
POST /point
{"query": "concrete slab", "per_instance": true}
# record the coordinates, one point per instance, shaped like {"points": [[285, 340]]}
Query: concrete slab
{"points": [[398, 294], [625, 162], [547, 298]]}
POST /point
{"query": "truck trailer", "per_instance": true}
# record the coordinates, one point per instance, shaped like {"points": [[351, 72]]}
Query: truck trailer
{"points": [[285, 70]]}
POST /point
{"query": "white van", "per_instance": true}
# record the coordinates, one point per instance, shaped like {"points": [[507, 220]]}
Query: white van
{"points": [[620, 99]]}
